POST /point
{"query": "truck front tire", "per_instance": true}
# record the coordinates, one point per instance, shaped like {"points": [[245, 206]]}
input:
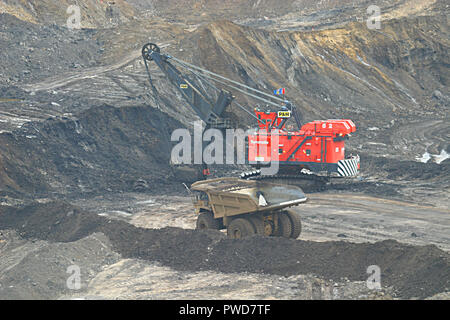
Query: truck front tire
{"points": [[240, 228], [205, 220], [258, 224]]}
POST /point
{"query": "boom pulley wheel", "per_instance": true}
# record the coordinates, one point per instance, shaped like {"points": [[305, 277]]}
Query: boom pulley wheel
{"points": [[148, 49]]}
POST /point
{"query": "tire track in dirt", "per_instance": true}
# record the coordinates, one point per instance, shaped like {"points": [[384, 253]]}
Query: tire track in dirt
{"points": [[426, 136], [329, 216], [70, 78]]}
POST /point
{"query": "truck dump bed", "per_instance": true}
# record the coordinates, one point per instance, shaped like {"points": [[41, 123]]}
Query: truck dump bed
{"points": [[233, 196]]}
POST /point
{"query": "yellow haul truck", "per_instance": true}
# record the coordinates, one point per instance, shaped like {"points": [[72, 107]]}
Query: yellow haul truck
{"points": [[247, 207]]}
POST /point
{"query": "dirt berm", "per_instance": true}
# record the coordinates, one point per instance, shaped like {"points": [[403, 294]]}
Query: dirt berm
{"points": [[413, 271], [104, 148]]}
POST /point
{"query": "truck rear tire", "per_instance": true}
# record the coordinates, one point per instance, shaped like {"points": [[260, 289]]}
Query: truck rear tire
{"points": [[284, 225], [295, 222], [240, 228], [205, 220]]}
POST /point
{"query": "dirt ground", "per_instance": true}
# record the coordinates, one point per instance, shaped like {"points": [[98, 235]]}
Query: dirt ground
{"points": [[136, 279], [38, 269], [85, 145], [408, 271]]}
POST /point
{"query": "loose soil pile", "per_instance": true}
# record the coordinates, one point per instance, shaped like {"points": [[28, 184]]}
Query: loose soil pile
{"points": [[413, 271], [39, 269], [103, 149], [394, 169]]}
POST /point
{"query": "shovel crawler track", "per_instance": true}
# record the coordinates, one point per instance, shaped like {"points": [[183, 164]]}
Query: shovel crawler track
{"points": [[307, 182]]}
